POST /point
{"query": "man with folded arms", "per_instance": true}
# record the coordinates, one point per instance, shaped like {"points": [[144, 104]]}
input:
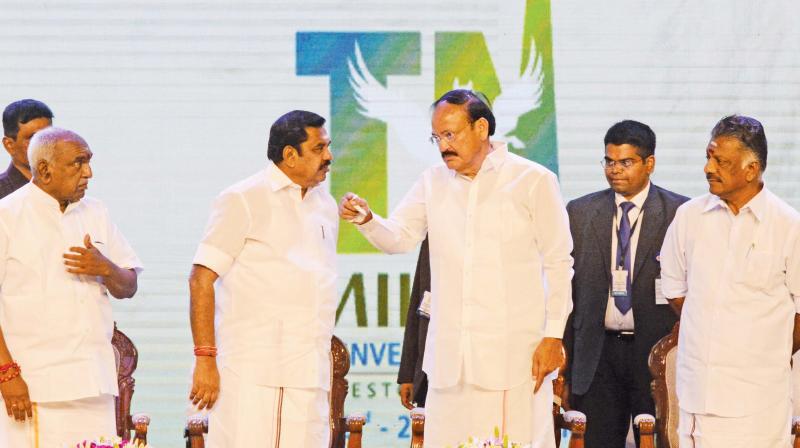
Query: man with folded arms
{"points": [[60, 257], [731, 265], [498, 233], [270, 247]]}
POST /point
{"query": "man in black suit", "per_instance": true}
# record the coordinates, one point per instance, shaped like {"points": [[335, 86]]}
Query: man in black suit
{"points": [[412, 380], [21, 119], [619, 312]]}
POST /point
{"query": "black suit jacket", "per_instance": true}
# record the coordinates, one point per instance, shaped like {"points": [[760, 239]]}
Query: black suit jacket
{"points": [[11, 180], [590, 219], [416, 331]]}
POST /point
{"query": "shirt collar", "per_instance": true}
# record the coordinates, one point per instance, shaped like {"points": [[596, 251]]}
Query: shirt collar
{"points": [[43, 199], [637, 200], [494, 160], [757, 204], [277, 179]]}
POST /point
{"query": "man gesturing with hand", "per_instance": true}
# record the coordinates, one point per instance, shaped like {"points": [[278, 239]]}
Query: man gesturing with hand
{"points": [[60, 257], [498, 233]]}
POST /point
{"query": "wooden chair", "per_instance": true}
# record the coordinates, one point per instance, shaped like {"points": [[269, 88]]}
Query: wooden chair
{"points": [[126, 357], [572, 421], [662, 363], [197, 425]]}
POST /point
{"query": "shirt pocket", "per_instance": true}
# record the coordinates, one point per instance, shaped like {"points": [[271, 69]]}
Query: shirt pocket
{"points": [[759, 267]]}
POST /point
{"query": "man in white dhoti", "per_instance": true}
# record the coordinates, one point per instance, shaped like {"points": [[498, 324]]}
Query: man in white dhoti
{"points": [[262, 340], [60, 257], [500, 278], [731, 265]]}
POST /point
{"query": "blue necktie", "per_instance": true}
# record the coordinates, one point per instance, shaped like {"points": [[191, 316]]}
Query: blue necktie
{"points": [[623, 303]]}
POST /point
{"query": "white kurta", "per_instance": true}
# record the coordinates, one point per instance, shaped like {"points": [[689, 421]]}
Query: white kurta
{"points": [[275, 253], [500, 266], [58, 326], [500, 282], [740, 275]]}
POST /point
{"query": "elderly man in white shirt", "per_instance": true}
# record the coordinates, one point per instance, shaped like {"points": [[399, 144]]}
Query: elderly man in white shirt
{"points": [[270, 246], [500, 278], [731, 266], [60, 257]]}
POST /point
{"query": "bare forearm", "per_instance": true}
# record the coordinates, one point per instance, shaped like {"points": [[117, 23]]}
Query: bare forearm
{"points": [[677, 305], [122, 283], [201, 309], [5, 354], [796, 335]]}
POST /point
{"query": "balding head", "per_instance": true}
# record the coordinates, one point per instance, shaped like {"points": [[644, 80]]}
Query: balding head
{"points": [[60, 164]]}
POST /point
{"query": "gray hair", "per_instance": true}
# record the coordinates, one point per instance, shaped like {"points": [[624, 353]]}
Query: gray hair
{"points": [[43, 144]]}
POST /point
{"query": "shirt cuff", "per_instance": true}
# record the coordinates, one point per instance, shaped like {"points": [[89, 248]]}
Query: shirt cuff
{"points": [[368, 226], [213, 258], [554, 328], [797, 304], [673, 290]]}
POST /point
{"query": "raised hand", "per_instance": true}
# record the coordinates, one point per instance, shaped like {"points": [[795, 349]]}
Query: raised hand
{"points": [[87, 260], [354, 209]]}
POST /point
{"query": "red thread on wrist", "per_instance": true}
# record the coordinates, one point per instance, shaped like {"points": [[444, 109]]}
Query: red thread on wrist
{"points": [[205, 350]]}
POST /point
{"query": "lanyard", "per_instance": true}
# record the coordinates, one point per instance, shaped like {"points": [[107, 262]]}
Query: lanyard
{"points": [[624, 249]]}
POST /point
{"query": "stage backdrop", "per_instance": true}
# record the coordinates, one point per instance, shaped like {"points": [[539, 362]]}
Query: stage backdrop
{"points": [[176, 98]]}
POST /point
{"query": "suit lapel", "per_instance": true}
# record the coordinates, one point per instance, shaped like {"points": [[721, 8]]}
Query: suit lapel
{"points": [[652, 222], [601, 226]]}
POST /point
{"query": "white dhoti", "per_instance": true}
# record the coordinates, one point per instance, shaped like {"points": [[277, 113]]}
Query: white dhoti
{"points": [[250, 415], [61, 423], [769, 427], [455, 413]]}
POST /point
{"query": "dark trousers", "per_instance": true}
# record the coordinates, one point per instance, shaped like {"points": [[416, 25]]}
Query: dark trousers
{"points": [[619, 392]]}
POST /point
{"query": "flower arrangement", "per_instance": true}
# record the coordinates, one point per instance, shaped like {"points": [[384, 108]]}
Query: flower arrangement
{"points": [[111, 442], [492, 442]]}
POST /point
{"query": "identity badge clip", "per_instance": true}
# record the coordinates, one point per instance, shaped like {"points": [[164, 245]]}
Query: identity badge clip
{"points": [[619, 282]]}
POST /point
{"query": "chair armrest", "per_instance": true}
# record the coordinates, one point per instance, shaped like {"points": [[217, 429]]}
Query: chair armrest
{"points": [[417, 427], [647, 427], [196, 426], [355, 426], [140, 424]]}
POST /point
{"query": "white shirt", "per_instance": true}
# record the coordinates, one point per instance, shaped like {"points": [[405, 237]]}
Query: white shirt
{"points": [[615, 320], [500, 266], [58, 326], [740, 275], [275, 253]]}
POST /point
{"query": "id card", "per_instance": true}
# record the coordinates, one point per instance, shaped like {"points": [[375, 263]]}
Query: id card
{"points": [[425, 305], [619, 282], [661, 299]]}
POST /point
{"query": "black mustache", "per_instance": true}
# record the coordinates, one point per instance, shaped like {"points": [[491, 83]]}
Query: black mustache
{"points": [[710, 177], [448, 153], [325, 164]]}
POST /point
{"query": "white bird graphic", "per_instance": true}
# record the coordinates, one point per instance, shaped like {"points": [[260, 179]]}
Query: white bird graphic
{"points": [[410, 119], [518, 96], [407, 118]]}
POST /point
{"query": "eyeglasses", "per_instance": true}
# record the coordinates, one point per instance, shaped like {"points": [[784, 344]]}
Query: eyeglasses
{"points": [[624, 163], [447, 136]]}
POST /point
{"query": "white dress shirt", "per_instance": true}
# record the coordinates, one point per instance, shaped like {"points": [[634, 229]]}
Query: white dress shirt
{"points": [[500, 266], [740, 275], [58, 326], [275, 253], [615, 320]]}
